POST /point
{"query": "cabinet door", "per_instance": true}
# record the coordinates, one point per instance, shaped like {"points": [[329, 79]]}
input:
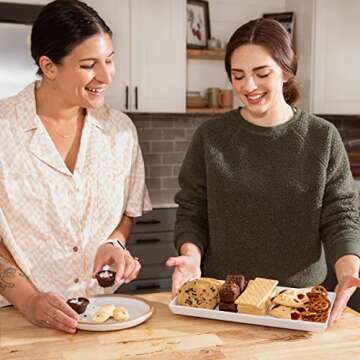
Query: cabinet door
{"points": [[158, 55], [336, 77], [118, 95], [116, 14]]}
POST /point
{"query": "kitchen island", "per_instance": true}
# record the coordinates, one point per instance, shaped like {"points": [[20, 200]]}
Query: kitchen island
{"points": [[167, 336]]}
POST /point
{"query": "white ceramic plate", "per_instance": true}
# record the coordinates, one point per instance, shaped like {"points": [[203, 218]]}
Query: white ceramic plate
{"points": [[265, 320], [139, 311]]}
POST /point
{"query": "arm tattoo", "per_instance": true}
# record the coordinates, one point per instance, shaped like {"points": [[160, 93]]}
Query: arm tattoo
{"points": [[8, 272]]}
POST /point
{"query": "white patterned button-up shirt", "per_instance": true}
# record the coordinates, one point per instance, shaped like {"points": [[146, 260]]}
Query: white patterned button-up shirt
{"points": [[51, 220]]}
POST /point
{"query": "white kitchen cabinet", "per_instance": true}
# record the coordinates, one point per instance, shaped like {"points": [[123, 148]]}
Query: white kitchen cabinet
{"points": [[150, 45], [327, 34]]}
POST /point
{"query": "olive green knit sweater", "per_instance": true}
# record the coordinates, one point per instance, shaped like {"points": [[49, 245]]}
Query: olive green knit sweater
{"points": [[267, 201]]}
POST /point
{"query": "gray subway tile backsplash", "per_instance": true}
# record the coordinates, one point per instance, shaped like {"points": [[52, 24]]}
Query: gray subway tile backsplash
{"points": [[174, 158], [158, 171], [153, 159], [161, 147], [170, 182], [174, 134], [162, 124], [181, 145], [154, 183], [164, 139], [149, 134]]}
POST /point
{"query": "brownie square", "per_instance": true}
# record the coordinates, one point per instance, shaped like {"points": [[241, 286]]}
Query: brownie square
{"points": [[232, 307], [237, 279], [229, 292]]}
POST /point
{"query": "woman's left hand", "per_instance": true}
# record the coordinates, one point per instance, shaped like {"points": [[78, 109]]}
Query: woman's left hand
{"points": [[126, 267], [344, 290]]}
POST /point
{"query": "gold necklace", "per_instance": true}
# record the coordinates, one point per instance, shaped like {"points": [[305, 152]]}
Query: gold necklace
{"points": [[57, 132], [63, 136]]}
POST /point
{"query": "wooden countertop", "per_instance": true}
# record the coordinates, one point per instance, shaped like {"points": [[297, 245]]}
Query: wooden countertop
{"points": [[166, 336]]}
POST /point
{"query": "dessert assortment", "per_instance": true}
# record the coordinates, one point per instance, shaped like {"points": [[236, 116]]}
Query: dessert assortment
{"points": [[103, 313], [302, 304], [258, 296], [105, 278], [107, 311]]}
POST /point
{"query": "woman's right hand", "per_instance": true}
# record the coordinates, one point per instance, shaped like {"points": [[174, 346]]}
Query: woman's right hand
{"points": [[187, 267], [50, 310]]}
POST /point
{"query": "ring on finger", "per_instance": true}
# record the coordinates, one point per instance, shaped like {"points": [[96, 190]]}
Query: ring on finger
{"points": [[47, 321], [136, 258]]}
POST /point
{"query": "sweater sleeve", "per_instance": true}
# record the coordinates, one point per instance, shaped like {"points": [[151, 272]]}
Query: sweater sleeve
{"points": [[340, 224], [191, 218]]}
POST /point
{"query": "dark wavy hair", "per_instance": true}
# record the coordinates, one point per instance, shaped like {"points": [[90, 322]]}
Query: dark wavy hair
{"points": [[61, 26], [274, 37]]}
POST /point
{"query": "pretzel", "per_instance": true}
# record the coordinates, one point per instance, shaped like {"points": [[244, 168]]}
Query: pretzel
{"points": [[320, 306], [319, 289], [320, 317], [314, 296], [305, 315]]}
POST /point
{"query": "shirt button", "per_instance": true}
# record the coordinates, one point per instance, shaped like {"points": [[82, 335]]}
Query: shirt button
{"points": [[76, 280], [75, 249]]}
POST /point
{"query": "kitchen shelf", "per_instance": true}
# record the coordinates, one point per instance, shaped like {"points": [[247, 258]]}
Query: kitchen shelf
{"points": [[206, 54], [207, 110]]}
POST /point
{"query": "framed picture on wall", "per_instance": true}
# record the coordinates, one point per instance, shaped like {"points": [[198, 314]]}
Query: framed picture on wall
{"points": [[287, 19], [198, 24]]}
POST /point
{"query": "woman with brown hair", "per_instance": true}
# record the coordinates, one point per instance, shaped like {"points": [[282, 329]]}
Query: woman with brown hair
{"points": [[266, 189], [71, 172]]}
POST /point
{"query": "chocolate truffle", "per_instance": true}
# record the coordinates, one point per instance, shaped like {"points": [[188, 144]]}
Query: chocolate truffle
{"points": [[237, 279], [229, 292], [106, 278], [232, 307], [78, 304]]}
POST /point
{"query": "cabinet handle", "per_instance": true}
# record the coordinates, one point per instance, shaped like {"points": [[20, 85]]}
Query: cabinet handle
{"points": [[147, 222], [148, 287], [127, 97], [147, 241], [136, 97]]}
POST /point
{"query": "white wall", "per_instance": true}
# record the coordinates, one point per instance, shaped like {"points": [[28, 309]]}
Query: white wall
{"points": [[304, 26], [225, 17]]}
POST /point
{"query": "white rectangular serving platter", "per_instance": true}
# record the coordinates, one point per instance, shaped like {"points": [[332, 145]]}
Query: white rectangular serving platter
{"points": [[264, 320]]}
